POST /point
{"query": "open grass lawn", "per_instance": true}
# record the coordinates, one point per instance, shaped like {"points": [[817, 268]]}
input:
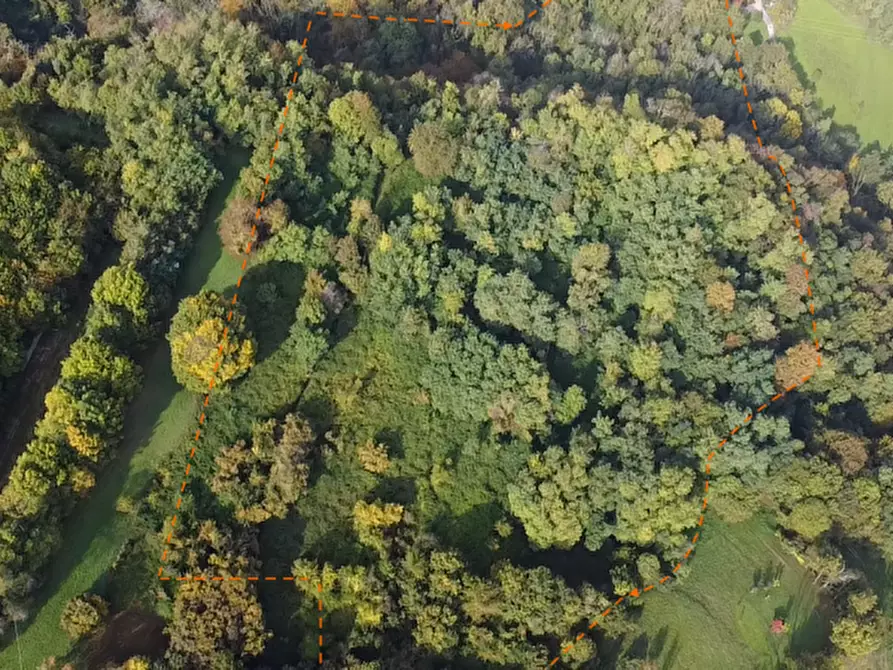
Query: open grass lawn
{"points": [[96, 533], [851, 74], [712, 619]]}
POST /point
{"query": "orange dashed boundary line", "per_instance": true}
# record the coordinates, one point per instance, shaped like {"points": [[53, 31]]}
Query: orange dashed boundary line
{"points": [[499, 25], [207, 396], [229, 316], [637, 593]]}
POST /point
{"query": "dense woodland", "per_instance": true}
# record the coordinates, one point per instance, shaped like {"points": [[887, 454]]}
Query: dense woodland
{"points": [[508, 291]]}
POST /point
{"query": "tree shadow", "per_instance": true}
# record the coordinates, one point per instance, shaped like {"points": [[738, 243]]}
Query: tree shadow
{"points": [[400, 490], [271, 293], [469, 534]]}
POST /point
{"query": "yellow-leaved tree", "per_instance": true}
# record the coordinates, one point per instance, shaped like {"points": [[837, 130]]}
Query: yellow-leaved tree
{"points": [[208, 344]]}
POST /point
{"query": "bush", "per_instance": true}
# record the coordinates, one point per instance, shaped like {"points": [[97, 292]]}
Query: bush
{"points": [[83, 615]]}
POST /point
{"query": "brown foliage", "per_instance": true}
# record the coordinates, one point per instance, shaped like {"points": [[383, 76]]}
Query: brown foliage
{"points": [[850, 449], [798, 362], [795, 278], [232, 7], [721, 296], [235, 226]]}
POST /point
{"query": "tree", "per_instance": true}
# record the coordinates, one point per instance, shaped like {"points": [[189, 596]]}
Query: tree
{"points": [[810, 518], [370, 520], [513, 300], [721, 296], [373, 457], [216, 625], [122, 303], [573, 401], [849, 449], [865, 169], [550, 498], [208, 348], [354, 116], [645, 362], [855, 637], [266, 477], [238, 226], [83, 615], [433, 150], [798, 362]]}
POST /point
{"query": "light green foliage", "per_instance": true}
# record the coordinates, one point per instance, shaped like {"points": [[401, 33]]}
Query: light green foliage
{"points": [[121, 303], [356, 118], [657, 508], [810, 518], [573, 401], [644, 362], [856, 638], [513, 300], [550, 498]]}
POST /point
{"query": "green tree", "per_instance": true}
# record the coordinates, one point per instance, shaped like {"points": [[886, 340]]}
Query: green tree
{"points": [[550, 498], [434, 151]]}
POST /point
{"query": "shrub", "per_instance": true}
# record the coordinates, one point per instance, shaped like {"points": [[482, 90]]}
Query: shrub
{"points": [[83, 615]]}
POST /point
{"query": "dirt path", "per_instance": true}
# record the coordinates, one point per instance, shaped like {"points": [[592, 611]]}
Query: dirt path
{"points": [[758, 6]]}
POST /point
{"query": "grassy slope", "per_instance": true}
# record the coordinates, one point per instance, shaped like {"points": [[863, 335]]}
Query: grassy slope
{"points": [[712, 620], [155, 423], [847, 69]]}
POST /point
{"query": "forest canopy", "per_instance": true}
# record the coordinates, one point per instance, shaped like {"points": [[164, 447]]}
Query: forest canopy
{"points": [[502, 297]]}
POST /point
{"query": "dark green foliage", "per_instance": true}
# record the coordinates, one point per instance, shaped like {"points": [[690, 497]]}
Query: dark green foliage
{"points": [[510, 352]]}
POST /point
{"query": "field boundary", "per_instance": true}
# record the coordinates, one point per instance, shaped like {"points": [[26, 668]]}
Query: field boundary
{"points": [[506, 25]]}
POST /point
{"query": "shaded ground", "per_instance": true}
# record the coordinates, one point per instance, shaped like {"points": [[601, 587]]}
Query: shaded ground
{"points": [[128, 634]]}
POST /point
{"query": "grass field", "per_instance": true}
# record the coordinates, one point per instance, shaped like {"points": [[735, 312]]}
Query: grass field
{"points": [[849, 71], [162, 412], [712, 619]]}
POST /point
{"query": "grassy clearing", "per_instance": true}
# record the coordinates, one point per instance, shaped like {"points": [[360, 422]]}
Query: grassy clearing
{"points": [[712, 619], [846, 68], [96, 533]]}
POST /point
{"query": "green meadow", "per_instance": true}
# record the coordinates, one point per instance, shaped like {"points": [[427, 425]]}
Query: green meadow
{"points": [[713, 617], [850, 72]]}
